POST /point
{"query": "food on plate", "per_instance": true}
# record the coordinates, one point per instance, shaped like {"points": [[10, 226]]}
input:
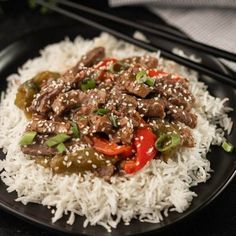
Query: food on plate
{"points": [[105, 115], [106, 121]]}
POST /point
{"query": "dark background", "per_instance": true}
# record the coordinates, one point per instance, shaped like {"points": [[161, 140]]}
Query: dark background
{"points": [[18, 19]]}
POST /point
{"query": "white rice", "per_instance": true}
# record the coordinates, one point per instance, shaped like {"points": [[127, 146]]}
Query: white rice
{"points": [[149, 194]]}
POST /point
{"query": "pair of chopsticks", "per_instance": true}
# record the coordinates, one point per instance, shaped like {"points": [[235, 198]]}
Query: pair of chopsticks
{"points": [[60, 8]]}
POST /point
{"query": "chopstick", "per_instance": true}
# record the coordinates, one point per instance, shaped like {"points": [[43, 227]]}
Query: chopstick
{"points": [[148, 46], [158, 31], [168, 30]]}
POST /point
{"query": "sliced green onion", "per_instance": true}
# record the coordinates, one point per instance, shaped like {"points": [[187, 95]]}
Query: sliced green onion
{"points": [[61, 148], [28, 138], [88, 84], [101, 111], [228, 147], [167, 141], [150, 82], [113, 120], [59, 138], [140, 74], [75, 130]]}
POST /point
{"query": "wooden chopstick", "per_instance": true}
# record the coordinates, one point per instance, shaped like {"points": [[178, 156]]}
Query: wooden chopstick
{"points": [[158, 31], [198, 67]]}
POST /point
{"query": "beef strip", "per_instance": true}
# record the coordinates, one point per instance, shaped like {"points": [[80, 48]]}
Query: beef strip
{"points": [[186, 137], [106, 172], [185, 117], [38, 150], [128, 83], [151, 108], [90, 100], [125, 132], [173, 80], [100, 124], [136, 119], [82, 121], [92, 57], [42, 103], [68, 100], [176, 96], [96, 96], [148, 61], [179, 102], [49, 127], [89, 59], [73, 80], [120, 103], [137, 89], [124, 135]]}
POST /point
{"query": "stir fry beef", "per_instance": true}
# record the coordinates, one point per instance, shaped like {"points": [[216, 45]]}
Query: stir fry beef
{"points": [[49, 126], [187, 139], [140, 90], [42, 103], [107, 115], [67, 100], [151, 107], [100, 124], [185, 117], [88, 60], [147, 61], [92, 57], [106, 171], [70, 79], [39, 150]]}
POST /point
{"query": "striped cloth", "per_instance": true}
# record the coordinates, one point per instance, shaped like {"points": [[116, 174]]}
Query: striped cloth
{"points": [[209, 21], [180, 3]]}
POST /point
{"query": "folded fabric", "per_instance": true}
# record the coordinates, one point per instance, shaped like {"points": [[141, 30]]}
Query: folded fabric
{"points": [[179, 3]]}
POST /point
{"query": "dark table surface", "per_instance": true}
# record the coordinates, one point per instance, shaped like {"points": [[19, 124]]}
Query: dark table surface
{"points": [[217, 219]]}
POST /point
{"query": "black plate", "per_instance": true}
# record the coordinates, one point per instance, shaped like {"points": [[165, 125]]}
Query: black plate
{"points": [[223, 164]]}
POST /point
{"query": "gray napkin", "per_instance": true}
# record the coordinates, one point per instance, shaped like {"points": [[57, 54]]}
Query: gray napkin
{"points": [[209, 21], [178, 3]]}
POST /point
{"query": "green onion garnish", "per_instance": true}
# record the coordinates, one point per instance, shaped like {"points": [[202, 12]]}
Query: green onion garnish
{"points": [[167, 141], [141, 77], [75, 130], [28, 137], [101, 111], [61, 148], [88, 84], [59, 138], [228, 147], [140, 74], [150, 82], [113, 120]]}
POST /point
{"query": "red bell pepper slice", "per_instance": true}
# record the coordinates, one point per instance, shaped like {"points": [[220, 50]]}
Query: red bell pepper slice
{"points": [[101, 75], [109, 148], [105, 62], [144, 141], [155, 72]]}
